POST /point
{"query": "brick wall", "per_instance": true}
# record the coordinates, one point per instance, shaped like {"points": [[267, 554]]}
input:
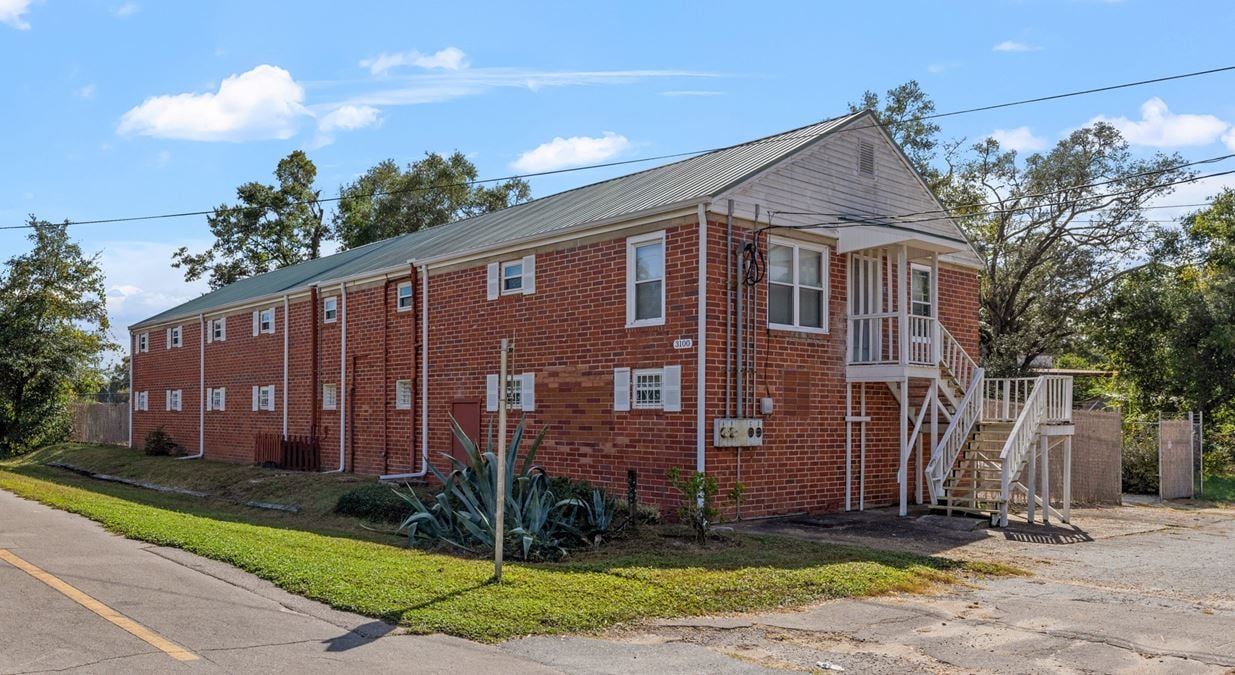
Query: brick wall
{"points": [[572, 334], [160, 369]]}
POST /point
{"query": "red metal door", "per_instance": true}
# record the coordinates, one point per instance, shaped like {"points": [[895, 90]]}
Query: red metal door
{"points": [[467, 414]]}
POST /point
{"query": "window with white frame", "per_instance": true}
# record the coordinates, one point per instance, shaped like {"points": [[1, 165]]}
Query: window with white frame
{"points": [[173, 400], [266, 320], [218, 329], [797, 286], [520, 393], [512, 277], [403, 394], [263, 397], [141, 400], [330, 396], [143, 342], [403, 300], [330, 309], [647, 390], [216, 399], [645, 280], [178, 336], [920, 291]]}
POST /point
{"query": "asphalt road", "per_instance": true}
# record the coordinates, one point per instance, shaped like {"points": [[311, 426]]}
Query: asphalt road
{"points": [[121, 606]]}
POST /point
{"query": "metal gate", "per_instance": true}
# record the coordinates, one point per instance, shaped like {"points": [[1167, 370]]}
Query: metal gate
{"points": [[1180, 449]]}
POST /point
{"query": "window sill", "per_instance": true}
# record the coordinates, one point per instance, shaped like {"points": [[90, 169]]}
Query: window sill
{"points": [[400, 309], [798, 329], [645, 323]]}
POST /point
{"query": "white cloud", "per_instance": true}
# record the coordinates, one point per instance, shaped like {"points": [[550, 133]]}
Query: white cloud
{"points": [[141, 281], [1020, 139], [1161, 128], [450, 58], [263, 103], [1014, 46], [349, 117], [574, 151], [12, 12], [1229, 138], [691, 92], [344, 118], [1196, 192], [86, 92], [127, 9]]}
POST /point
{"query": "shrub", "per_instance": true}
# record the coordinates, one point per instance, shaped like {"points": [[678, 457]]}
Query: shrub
{"points": [[539, 523], [1140, 459], [159, 443], [373, 502], [697, 493]]}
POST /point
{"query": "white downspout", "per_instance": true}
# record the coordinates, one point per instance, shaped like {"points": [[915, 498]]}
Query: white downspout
{"points": [[701, 348], [424, 381], [201, 392], [132, 394], [286, 330], [342, 378]]}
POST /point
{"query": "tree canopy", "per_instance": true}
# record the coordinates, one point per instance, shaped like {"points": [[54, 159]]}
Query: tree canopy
{"points": [[272, 226], [388, 201], [53, 327]]}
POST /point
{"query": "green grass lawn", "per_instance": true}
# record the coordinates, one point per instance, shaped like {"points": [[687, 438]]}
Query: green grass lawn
{"points": [[659, 574], [1220, 488]]}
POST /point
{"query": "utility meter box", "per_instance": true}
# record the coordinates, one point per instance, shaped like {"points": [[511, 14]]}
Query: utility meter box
{"points": [[737, 432]]}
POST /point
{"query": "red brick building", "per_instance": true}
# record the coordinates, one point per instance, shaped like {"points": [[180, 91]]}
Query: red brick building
{"points": [[835, 339]]}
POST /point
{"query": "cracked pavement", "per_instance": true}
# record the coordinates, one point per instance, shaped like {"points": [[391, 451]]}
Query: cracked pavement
{"points": [[233, 621], [1130, 589]]}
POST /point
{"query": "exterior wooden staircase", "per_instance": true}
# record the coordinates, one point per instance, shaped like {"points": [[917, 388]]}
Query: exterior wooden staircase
{"points": [[975, 484]]}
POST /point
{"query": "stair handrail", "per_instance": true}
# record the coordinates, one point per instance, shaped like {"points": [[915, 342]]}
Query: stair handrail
{"points": [[953, 356], [968, 414], [1020, 441]]}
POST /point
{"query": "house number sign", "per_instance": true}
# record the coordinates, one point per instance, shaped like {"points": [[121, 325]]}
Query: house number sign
{"points": [[683, 343]]}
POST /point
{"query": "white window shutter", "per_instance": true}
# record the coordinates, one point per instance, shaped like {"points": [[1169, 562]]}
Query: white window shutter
{"points": [[256, 325], [167, 396], [529, 274], [527, 391], [671, 389], [222, 327], [621, 389], [493, 288], [491, 393], [210, 330], [222, 399], [209, 400], [273, 324], [256, 395], [167, 342]]}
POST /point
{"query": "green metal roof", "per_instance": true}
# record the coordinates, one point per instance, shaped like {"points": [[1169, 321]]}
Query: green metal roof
{"points": [[681, 182]]}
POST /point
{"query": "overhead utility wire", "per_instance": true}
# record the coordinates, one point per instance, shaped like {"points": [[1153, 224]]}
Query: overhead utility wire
{"points": [[774, 139]]}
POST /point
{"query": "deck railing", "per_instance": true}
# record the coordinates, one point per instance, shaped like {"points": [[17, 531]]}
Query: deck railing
{"points": [[1006, 396], [1022, 438], [875, 339], [967, 416]]}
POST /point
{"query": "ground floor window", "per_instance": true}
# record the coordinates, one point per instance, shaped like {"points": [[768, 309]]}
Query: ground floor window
{"points": [[403, 394], [330, 397]]}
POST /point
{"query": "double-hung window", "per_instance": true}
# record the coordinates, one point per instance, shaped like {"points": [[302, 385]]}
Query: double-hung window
{"points": [[216, 399], [173, 400], [267, 320], [175, 336], [263, 397], [141, 400], [512, 277], [403, 300], [143, 342], [218, 329], [797, 286], [330, 309], [403, 394], [645, 280], [330, 396]]}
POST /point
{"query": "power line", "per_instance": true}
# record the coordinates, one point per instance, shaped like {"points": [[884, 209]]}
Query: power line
{"points": [[775, 139]]}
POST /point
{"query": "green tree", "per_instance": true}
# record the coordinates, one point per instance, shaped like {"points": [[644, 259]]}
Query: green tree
{"points": [[388, 201], [272, 226], [901, 112], [53, 327]]}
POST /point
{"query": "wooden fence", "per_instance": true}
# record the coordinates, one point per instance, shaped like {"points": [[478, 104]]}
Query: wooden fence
{"points": [[296, 453], [101, 422], [1175, 459]]}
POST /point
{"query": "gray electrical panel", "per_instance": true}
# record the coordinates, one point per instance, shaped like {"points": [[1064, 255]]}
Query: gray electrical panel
{"points": [[737, 432]]}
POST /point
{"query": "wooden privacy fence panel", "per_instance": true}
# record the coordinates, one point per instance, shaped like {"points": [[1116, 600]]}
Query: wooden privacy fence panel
{"points": [[1175, 461], [296, 453], [1097, 459], [101, 423]]}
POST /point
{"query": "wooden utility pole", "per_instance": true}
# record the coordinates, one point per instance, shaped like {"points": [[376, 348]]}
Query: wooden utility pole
{"points": [[500, 505]]}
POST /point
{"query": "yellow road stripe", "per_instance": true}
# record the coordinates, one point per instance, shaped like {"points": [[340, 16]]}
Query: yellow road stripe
{"points": [[141, 632]]}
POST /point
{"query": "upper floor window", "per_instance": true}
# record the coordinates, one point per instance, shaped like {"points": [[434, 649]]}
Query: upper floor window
{"points": [[218, 329], [797, 286], [143, 342], [512, 277], [404, 295], [330, 309], [403, 394], [175, 336], [267, 320], [330, 396], [645, 280]]}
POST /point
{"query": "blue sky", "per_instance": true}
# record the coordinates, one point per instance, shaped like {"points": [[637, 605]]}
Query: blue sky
{"points": [[131, 107]]}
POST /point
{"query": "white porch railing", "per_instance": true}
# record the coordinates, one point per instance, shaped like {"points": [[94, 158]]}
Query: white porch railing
{"points": [[1022, 439], [1006, 397], [968, 414], [954, 357], [875, 339]]}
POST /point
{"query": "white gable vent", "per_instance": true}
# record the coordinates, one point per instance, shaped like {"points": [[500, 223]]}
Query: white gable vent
{"points": [[866, 158]]}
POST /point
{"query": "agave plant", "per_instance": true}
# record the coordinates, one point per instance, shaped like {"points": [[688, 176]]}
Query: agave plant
{"points": [[463, 512]]}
